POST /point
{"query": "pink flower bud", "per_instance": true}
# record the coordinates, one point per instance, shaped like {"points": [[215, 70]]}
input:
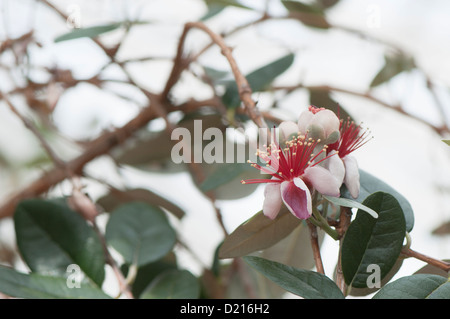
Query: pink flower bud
{"points": [[320, 124]]}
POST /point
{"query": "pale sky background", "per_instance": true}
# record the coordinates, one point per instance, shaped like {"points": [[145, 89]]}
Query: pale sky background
{"points": [[404, 153]]}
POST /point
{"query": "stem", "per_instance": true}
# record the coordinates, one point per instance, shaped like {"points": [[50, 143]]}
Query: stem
{"points": [[123, 283], [315, 247], [341, 228], [321, 222], [408, 252]]}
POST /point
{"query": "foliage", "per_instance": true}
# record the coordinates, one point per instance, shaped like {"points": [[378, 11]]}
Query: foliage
{"points": [[68, 241]]}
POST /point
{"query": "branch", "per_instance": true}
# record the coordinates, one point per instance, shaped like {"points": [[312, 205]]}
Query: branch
{"points": [[367, 95], [315, 247], [408, 252], [245, 91], [29, 125], [341, 228], [100, 146]]}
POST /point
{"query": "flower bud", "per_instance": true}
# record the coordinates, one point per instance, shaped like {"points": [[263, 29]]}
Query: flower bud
{"points": [[320, 124]]}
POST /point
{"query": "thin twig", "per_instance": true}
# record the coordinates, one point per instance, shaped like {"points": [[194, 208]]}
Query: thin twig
{"points": [[244, 89], [30, 125], [367, 95], [124, 288]]}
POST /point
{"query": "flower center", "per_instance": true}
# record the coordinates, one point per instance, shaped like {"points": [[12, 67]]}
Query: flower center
{"points": [[284, 164]]}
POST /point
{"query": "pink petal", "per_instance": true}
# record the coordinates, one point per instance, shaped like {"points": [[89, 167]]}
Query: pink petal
{"points": [[323, 181], [351, 179], [297, 198], [272, 200]]}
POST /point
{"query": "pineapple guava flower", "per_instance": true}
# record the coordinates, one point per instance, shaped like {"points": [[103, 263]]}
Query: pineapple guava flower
{"points": [[344, 166], [319, 123], [295, 175]]}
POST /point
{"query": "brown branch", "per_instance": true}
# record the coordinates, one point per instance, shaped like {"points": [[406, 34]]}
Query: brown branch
{"points": [[100, 146], [29, 125], [315, 247], [341, 228], [367, 95], [244, 89], [408, 252]]}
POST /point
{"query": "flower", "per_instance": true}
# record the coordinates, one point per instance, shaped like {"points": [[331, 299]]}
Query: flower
{"points": [[295, 175], [344, 166], [319, 123]]}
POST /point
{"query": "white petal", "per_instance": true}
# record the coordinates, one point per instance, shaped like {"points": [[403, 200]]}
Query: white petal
{"points": [[336, 167], [328, 120], [304, 121], [287, 128], [272, 200], [323, 181], [351, 179]]}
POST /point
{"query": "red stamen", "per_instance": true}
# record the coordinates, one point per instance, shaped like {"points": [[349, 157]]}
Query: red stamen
{"points": [[288, 163], [350, 139]]}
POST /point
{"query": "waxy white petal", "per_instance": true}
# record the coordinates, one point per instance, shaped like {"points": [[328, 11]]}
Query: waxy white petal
{"points": [[336, 166], [287, 128], [351, 179], [272, 200], [323, 181]]}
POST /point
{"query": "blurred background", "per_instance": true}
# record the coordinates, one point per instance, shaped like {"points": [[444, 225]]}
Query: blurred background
{"points": [[384, 62]]}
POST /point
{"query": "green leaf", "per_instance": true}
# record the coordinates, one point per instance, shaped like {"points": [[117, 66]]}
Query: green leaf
{"points": [[174, 284], [370, 241], [304, 283], [90, 32], [147, 273], [153, 148], [213, 10], [294, 250], [117, 197], [446, 142], [351, 203], [442, 230], [258, 80], [224, 179], [433, 270], [50, 237], [297, 6], [226, 3], [393, 66], [224, 173], [371, 184], [309, 14], [257, 233], [421, 286], [327, 3], [358, 292], [215, 267], [140, 232], [214, 74], [37, 286]]}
